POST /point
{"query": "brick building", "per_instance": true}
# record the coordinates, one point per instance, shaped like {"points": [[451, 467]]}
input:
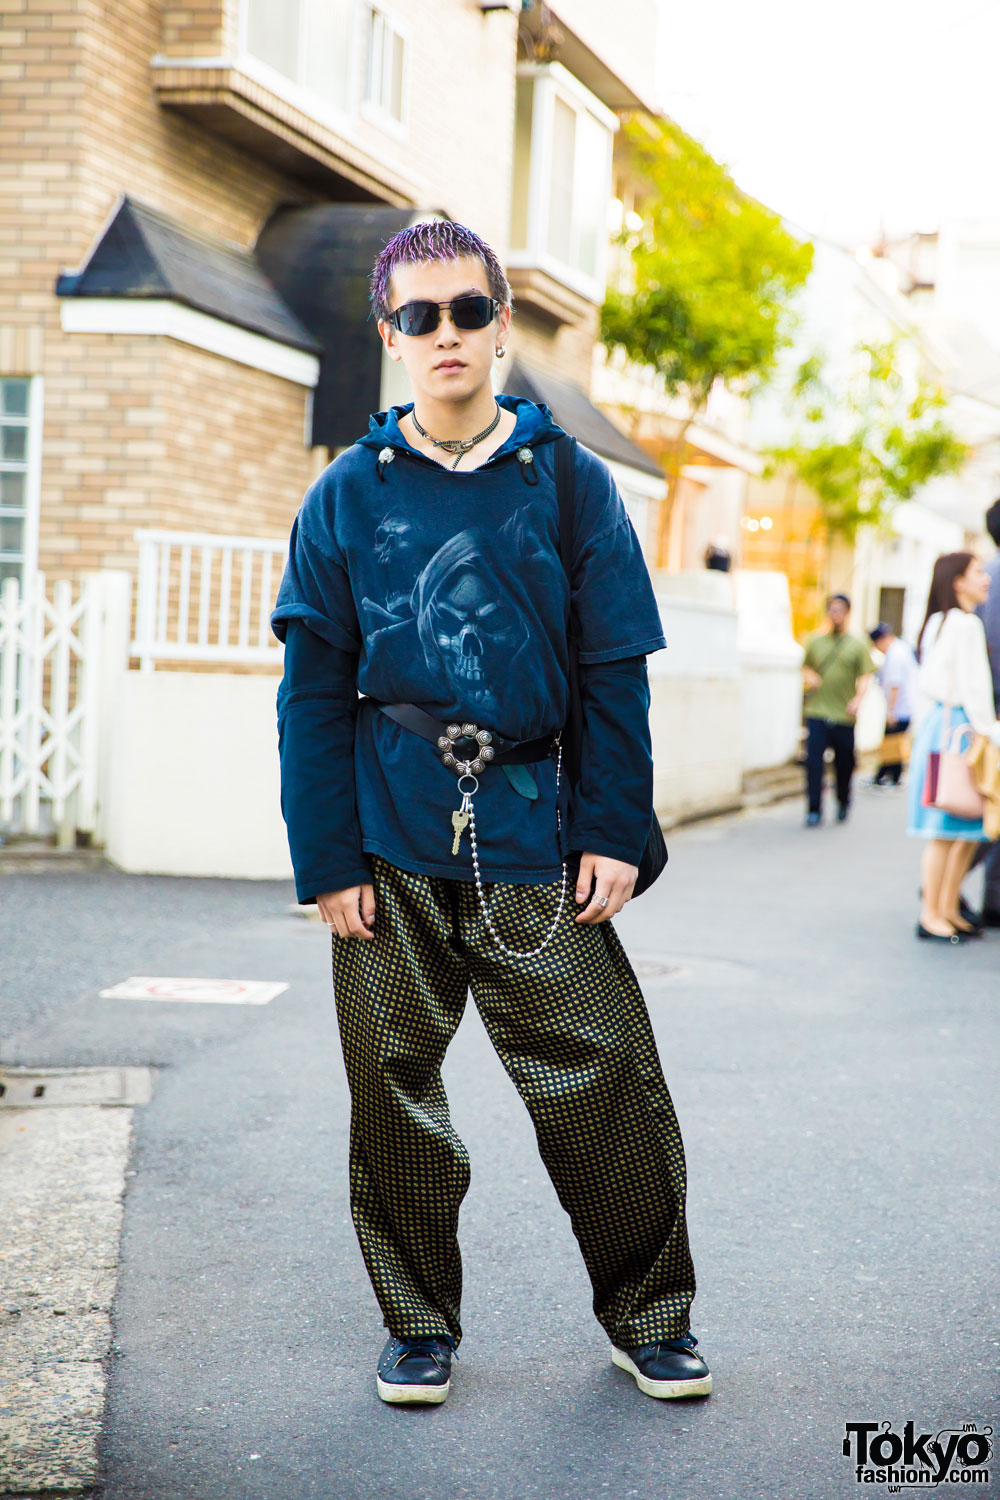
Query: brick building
{"points": [[192, 196]]}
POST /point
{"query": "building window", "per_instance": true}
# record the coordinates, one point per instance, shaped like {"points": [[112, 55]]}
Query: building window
{"points": [[309, 42], [385, 90], [20, 465], [562, 178]]}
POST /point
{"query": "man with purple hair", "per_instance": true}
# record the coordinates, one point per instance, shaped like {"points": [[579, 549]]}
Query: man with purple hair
{"points": [[424, 570]]}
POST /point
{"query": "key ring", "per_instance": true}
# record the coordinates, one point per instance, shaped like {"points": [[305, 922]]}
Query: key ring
{"points": [[466, 770], [483, 754]]}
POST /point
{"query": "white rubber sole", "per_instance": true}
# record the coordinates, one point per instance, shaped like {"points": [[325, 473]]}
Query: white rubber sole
{"points": [[665, 1390], [404, 1395]]}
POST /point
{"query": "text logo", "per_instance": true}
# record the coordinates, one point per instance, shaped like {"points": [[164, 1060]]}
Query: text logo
{"points": [[918, 1460]]}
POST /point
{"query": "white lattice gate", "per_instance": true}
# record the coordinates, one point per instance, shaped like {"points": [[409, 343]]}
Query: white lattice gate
{"points": [[49, 707]]}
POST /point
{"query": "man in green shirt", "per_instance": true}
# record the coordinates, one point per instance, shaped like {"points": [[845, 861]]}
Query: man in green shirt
{"points": [[836, 674]]}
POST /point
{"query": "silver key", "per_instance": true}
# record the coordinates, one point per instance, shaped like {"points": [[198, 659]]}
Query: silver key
{"points": [[459, 819]]}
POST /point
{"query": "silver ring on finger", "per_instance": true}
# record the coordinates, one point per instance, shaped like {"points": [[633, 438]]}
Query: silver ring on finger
{"points": [[603, 901]]}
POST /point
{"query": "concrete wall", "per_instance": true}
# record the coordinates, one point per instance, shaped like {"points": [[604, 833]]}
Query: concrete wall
{"points": [[191, 782], [770, 671], [192, 777], [695, 708]]}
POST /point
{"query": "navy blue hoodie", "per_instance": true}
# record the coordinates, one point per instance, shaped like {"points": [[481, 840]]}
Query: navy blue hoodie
{"points": [[413, 583]]}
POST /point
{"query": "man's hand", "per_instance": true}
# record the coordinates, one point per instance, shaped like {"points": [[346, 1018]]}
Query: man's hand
{"points": [[811, 680], [349, 913], [615, 880]]}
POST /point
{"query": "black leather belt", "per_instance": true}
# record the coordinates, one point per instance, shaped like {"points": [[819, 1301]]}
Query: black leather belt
{"points": [[511, 752]]}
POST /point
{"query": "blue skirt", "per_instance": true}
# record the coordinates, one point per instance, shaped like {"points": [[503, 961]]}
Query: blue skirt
{"points": [[932, 822]]}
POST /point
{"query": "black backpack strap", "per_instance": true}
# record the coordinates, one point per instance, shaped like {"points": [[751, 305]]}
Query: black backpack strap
{"points": [[565, 465], [572, 737]]}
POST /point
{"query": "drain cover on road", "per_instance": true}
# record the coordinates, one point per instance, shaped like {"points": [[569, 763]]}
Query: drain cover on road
{"points": [[29, 1088], [196, 991]]}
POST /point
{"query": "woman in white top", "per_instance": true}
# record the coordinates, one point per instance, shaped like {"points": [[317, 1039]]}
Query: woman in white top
{"points": [[955, 670]]}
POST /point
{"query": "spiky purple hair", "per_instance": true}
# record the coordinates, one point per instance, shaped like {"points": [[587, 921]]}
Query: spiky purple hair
{"points": [[436, 239]]}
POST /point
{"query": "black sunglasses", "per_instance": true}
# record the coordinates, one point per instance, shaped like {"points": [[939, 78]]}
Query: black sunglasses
{"points": [[417, 318]]}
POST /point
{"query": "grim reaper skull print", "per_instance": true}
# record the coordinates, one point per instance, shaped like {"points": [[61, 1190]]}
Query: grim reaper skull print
{"points": [[472, 606], [472, 630]]}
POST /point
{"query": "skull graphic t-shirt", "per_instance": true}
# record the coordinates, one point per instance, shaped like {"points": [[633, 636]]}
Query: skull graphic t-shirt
{"points": [[445, 589]]}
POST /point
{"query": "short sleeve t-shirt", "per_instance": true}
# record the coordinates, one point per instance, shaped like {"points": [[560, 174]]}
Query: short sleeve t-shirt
{"points": [[899, 670], [449, 587], [840, 660]]}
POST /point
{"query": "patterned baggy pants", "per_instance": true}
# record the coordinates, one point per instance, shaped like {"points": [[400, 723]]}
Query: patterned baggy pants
{"points": [[572, 1030]]}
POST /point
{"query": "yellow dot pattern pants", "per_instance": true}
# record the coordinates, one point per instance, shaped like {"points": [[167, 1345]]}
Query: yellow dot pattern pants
{"points": [[572, 1030]]}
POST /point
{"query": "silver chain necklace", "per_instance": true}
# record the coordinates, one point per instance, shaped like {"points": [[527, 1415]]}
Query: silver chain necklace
{"points": [[458, 446]]}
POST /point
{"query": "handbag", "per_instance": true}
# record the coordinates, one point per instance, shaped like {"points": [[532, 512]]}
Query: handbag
{"points": [[949, 784], [984, 763], [894, 749], [654, 855]]}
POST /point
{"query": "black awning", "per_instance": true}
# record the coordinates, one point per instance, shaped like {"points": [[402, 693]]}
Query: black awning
{"points": [[320, 259], [143, 253], [574, 411]]}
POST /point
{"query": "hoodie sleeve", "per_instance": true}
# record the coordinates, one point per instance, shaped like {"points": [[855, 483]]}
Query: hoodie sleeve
{"points": [[612, 595], [315, 586], [316, 618], [612, 809], [317, 709]]}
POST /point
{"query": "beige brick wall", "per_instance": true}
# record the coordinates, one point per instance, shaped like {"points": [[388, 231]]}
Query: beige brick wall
{"points": [[148, 432], [566, 351], [460, 128], [456, 142], [155, 154], [138, 431], [145, 432]]}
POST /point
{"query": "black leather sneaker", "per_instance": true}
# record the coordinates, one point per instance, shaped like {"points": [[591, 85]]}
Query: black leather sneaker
{"points": [[667, 1369], [414, 1370]]}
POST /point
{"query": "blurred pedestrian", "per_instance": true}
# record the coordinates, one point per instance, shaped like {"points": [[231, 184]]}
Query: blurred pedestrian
{"points": [[988, 855], [836, 673], [718, 557], [955, 682], [897, 678]]}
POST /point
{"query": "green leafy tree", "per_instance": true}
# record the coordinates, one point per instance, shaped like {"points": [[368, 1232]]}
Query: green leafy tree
{"points": [[708, 281], [864, 449]]}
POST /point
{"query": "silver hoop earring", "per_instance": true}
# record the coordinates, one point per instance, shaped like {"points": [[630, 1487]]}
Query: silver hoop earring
{"points": [[500, 351]]}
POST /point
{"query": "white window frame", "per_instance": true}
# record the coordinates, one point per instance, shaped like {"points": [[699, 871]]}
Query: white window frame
{"points": [[371, 109], [552, 81], [298, 94], [32, 469]]}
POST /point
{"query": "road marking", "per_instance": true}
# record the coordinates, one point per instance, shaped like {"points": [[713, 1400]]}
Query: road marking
{"points": [[196, 991]]}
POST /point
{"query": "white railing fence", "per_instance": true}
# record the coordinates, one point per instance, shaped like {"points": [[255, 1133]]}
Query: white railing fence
{"points": [[52, 688], [204, 598]]}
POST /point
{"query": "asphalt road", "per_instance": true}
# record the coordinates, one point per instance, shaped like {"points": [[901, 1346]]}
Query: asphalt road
{"points": [[836, 1085]]}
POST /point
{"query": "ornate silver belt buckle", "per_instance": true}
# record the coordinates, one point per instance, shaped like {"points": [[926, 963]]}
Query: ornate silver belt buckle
{"points": [[483, 754]]}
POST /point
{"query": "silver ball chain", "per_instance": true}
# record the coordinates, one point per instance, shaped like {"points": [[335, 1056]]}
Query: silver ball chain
{"points": [[513, 952]]}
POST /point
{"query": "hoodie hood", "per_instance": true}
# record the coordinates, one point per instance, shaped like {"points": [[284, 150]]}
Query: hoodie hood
{"points": [[535, 424]]}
